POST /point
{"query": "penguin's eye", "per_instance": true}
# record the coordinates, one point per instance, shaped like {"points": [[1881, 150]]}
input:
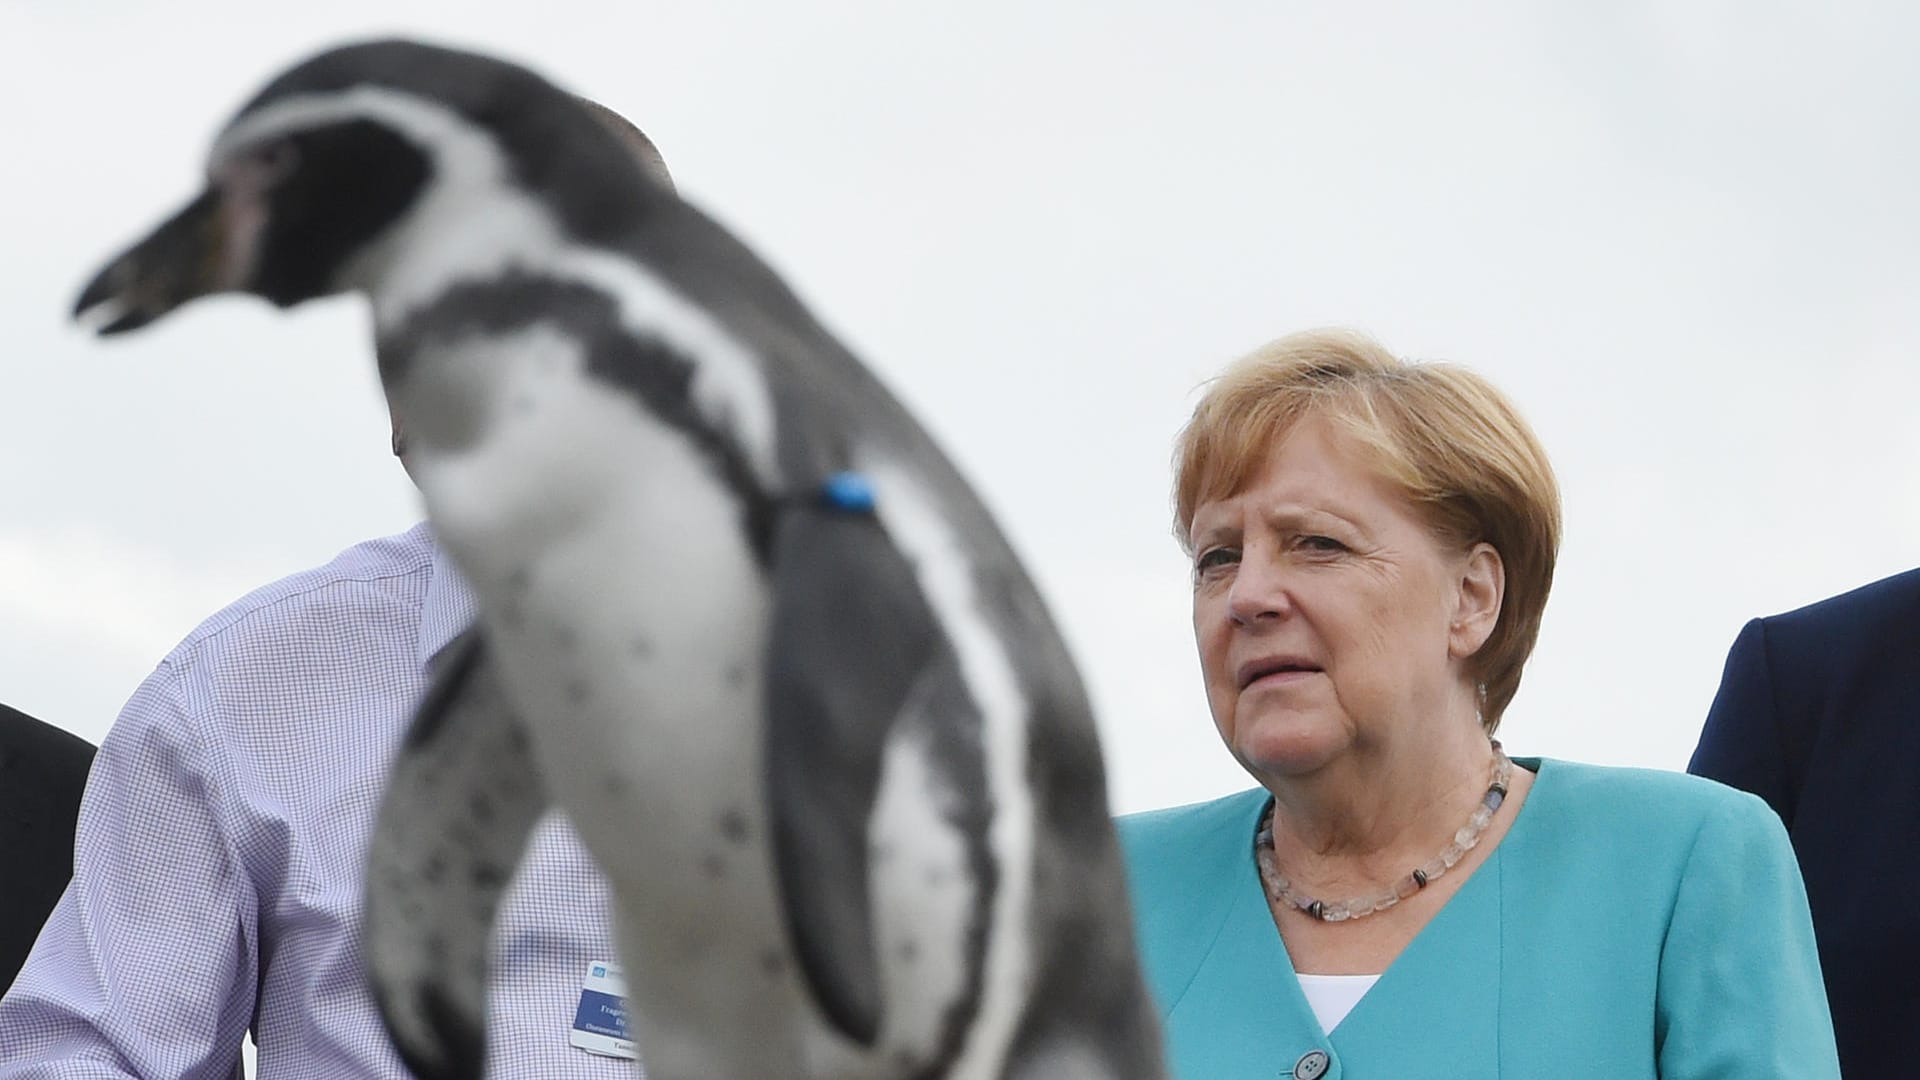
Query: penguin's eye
{"points": [[260, 167], [274, 160]]}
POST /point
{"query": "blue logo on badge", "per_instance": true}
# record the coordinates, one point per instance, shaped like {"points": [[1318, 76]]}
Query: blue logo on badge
{"points": [[599, 971]]}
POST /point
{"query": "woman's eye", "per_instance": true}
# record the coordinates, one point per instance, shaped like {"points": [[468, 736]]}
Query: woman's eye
{"points": [[1214, 559], [1321, 544]]}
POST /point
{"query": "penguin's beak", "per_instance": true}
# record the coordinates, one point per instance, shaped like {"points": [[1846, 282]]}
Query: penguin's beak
{"points": [[181, 260]]}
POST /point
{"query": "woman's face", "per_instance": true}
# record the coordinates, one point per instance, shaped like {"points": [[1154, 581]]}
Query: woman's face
{"points": [[1328, 615]]}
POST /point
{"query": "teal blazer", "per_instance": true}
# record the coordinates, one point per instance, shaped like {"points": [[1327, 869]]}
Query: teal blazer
{"points": [[1631, 924]]}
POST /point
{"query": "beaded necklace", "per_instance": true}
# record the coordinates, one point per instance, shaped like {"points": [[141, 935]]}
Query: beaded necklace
{"points": [[1464, 840]]}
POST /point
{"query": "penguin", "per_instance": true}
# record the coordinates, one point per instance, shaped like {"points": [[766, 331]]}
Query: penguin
{"points": [[739, 617]]}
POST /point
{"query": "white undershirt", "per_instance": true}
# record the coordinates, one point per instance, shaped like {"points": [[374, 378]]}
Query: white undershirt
{"points": [[1334, 996]]}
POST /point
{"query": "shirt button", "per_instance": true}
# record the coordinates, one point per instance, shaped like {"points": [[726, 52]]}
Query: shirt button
{"points": [[1311, 1066]]}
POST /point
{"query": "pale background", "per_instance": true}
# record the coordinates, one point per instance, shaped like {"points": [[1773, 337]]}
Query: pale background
{"points": [[1682, 236]]}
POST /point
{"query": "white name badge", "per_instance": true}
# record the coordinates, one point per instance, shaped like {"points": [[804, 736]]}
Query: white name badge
{"points": [[600, 1023]]}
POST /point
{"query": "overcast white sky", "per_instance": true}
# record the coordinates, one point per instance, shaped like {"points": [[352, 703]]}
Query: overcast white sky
{"points": [[1684, 237]]}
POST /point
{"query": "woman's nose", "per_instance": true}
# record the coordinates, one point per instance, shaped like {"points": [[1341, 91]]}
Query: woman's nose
{"points": [[1258, 591]]}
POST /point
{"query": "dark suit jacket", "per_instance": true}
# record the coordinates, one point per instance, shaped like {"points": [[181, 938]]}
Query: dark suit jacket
{"points": [[42, 773], [1819, 714]]}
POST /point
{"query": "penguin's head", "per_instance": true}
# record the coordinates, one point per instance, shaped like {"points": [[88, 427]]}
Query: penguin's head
{"points": [[378, 161]]}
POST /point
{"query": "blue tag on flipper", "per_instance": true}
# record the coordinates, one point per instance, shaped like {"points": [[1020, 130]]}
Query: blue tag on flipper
{"points": [[849, 491]]}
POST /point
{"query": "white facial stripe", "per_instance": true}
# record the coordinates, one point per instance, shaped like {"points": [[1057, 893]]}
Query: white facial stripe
{"points": [[424, 122], [472, 224], [946, 579]]}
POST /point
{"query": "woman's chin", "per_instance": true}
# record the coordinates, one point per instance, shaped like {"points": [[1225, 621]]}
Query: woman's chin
{"points": [[1293, 747]]}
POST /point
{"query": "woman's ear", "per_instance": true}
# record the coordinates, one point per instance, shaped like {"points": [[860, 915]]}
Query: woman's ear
{"points": [[1481, 587]]}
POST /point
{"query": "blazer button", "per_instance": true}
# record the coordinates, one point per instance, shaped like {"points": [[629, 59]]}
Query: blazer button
{"points": [[1311, 1066]]}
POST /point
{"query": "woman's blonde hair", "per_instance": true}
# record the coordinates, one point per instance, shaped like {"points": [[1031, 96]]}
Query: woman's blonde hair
{"points": [[1453, 445]]}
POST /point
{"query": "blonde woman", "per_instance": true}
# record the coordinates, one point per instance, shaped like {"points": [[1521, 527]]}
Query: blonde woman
{"points": [[1372, 546]]}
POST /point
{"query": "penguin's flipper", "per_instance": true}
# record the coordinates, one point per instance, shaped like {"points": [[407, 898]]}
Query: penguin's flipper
{"points": [[851, 640], [459, 806]]}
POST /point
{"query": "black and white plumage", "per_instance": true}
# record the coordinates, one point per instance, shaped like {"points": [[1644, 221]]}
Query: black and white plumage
{"points": [[834, 758]]}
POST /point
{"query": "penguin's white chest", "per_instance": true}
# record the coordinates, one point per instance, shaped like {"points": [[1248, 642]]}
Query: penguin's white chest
{"points": [[614, 572]]}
